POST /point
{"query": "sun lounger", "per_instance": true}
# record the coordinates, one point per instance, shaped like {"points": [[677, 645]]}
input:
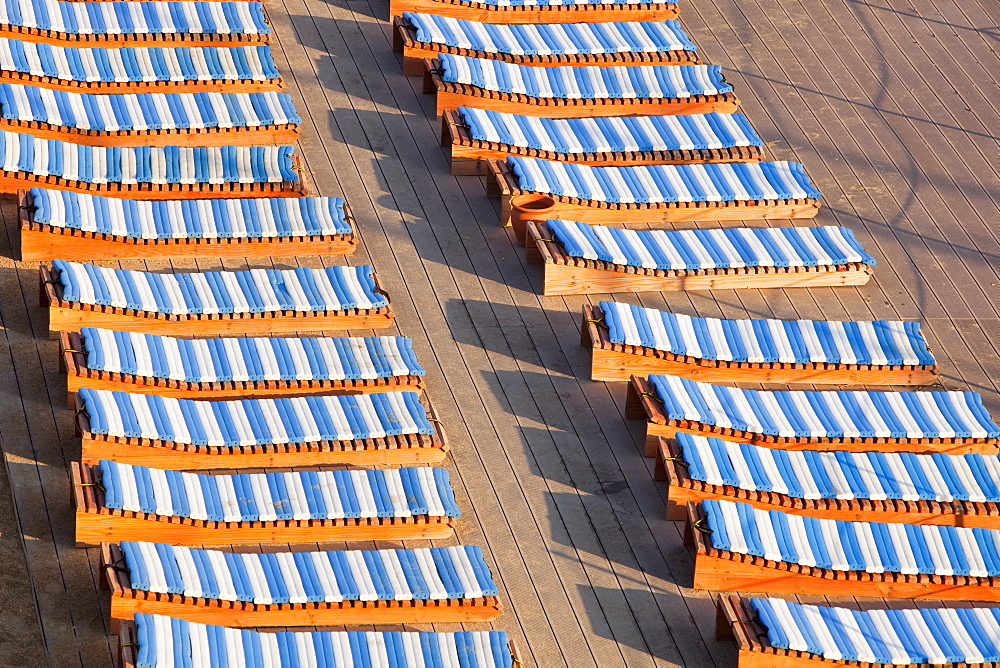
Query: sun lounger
{"points": [[260, 368], [851, 421], [169, 642], [124, 502], [75, 226], [539, 11], [475, 136], [532, 189], [422, 586], [352, 430], [187, 69], [741, 548], [954, 490], [774, 633], [149, 119], [422, 36], [211, 303], [625, 339], [134, 23], [574, 92], [584, 259]]}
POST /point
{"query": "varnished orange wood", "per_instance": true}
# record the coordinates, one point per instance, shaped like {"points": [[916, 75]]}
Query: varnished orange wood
{"points": [[279, 135], [114, 87], [536, 106], [64, 39], [535, 14]]}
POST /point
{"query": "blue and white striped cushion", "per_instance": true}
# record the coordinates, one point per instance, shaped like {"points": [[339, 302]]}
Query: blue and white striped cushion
{"points": [[168, 642], [242, 218], [279, 496], [551, 39], [146, 164], [828, 414], [613, 134], [251, 63], [586, 83], [839, 545], [145, 111], [310, 577], [253, 291], [728, 182], [807, 474], [237, 423], [880, 342], [250, 359], [129, 18], [711, 249], [934, 636]]}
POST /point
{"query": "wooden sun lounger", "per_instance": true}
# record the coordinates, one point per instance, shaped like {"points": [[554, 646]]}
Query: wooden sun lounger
{"points": [[44, 242], [57, 38], [483, 13], [267, 135], [415, 53], [505, 184], [722, 570], [683, 490], [79, 376], [96, 523], [453, 95], [407, 449], [71, 316], [642, 404], [618, 362], [566, 275], [112, 87], [471, 156]]}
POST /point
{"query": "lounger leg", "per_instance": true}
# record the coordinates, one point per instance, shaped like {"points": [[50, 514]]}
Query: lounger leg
{"points": [[633, 404], [723, 628]]}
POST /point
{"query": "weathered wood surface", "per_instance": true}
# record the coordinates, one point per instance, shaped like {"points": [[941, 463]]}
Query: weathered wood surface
{"points": [[886, 105]]}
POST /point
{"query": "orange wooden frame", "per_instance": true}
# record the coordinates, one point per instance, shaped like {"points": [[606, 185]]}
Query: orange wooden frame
{"points": [[114, 87], [264, 135], [483, 13], [57, 38]]}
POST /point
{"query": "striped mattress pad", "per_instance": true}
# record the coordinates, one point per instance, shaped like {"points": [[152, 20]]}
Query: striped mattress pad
{"points": [[245, 422], [554, 39], [879, 342], [435, 573], [142, 112], [168, 642], [249, 359], [840, 545], [279, 496], [130, 18], [727, 248], [934, 636], [253, 291], [188, 165], [827, 414], [585, 83], [190, 63], [615, 134], [238, 218], [654, 184], [806, 474]]}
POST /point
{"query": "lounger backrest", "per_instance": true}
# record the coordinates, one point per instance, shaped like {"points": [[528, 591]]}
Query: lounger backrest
{"points": [[191, 63], [253, 291], [880, 342], [168, 642], [585, 83], [249, 359], [910, 636], [873, 547], [654, 184], [616, 134], [231, 424], [807, 474], [551, 38], [731, 247], [240, 217], [146, 164], [145, 111], [124, 18], [279, 496], [848, 414], [310, 577]]}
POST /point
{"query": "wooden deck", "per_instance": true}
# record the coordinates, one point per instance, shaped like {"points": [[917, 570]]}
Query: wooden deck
{"points": [[892, 108]]}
